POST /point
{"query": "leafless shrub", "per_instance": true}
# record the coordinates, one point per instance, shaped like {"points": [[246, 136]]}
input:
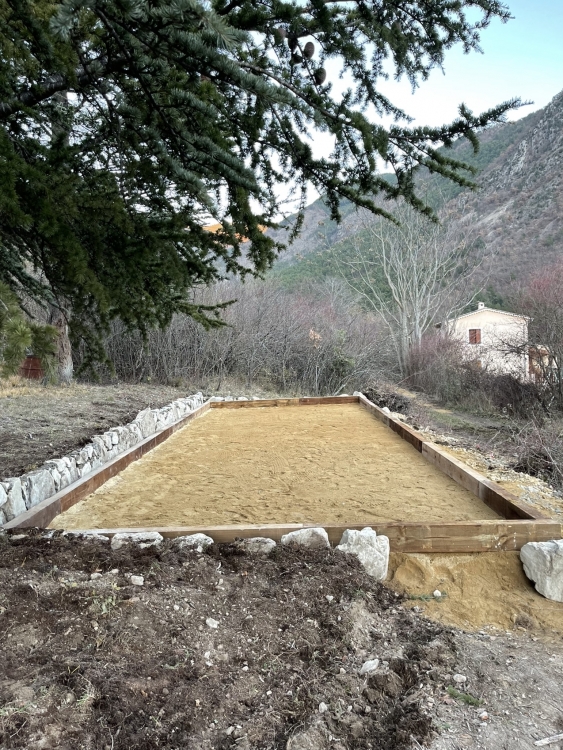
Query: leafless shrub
{"points": [[316, 341], [538, 450], [440, 369]]}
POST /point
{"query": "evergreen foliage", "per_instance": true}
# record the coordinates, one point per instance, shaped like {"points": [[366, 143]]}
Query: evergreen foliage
{"points": [[19, 337], [126, 124]]}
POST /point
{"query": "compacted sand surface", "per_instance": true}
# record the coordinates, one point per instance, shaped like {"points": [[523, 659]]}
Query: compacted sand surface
{"points": [[330, 464]]}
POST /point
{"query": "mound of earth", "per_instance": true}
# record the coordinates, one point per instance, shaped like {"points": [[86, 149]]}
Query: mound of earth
{"points": [[230, 650]]}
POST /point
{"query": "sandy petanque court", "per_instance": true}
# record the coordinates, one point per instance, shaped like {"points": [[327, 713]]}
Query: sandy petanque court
{"points": [[327, 464]]}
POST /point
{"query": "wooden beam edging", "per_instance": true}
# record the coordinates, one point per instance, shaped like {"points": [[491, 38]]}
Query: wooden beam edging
{"points": [[456, 537], [43, 513], [503, 502], [306, 401]]}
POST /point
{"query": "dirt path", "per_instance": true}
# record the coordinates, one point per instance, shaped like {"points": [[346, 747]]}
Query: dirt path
{"points": [[329, 464]]}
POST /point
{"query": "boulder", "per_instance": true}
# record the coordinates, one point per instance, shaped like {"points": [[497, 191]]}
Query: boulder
{"points": [[257, 545], [15, 503], [197, 542], [39, 486], [3, 495], [310, 538], [543, 564], [371, 550], [142, 539]]}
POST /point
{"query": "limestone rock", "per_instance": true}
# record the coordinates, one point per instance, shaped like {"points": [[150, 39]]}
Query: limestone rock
{"points": [[15, 504], [310, 538], [39, 486], [146, 421], [369, 666], [3, 496], [137, 580], [371, 550], [198, 542], [142, 539], [543, 564], [257, 545], [313, 738]]}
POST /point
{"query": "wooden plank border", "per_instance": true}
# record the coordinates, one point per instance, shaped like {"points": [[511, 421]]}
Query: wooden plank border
{"points": [[523, 523], [309, 401], [492, 494], [456, 537], [43, 513]]}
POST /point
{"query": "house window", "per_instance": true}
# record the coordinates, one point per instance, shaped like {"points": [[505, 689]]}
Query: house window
{"points": [[474, 335]]}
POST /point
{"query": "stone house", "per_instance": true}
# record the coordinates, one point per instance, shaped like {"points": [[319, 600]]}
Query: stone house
{"points": [[495, 340]]}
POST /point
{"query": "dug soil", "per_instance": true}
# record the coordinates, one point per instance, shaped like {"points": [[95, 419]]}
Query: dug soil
{"points": [[327, 464], [38, 423], [228, 650]]}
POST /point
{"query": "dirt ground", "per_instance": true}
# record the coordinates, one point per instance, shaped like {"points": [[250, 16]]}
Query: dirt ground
{"points": [[326, 464], [38, 423], [229, 650]]}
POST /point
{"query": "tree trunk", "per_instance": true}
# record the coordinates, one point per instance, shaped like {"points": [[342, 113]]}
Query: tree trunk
{"points": [[65, 367]]}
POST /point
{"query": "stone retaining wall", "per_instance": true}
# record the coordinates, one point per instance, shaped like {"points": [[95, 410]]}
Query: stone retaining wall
{"points": [[18, 494]]}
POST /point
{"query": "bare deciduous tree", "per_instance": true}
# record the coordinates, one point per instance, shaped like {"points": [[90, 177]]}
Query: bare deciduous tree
{"points": [[412, 272]]}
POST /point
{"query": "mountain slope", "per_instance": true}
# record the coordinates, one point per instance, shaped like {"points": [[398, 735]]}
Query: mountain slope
{"points": [[518, 209]]}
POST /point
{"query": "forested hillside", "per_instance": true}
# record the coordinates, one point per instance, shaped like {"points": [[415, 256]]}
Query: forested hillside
{"points": [[517, 210]]}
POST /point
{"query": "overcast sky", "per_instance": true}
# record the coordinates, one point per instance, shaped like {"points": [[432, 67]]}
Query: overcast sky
{"points": [[522, 58]]}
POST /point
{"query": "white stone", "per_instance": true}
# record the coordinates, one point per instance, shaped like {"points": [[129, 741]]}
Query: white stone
{"points": [[369, 666], [95, 576], [214, 399], [370, 549], [100, 448], [437, 594], [86, 469], [15, 504], [137, 580], [211, 623], [258, 545], [386, 409], [198, 542], [459, 678], [543, 564], [323, 708], [310, 538], [3, 496], [242, 398], [39, 485], [146, 421], [86, 535], [313, 738], [142, 539]]}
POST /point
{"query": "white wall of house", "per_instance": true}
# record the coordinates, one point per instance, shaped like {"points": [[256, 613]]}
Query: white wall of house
{"points": [[488, 335]]}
